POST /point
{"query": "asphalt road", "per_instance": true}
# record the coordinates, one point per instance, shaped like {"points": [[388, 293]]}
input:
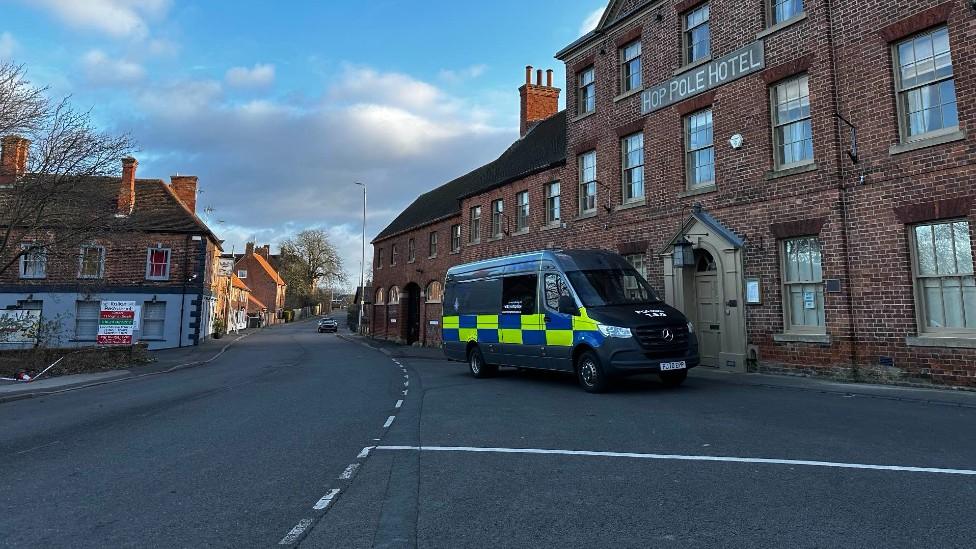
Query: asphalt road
{"points": [[311, 440]]}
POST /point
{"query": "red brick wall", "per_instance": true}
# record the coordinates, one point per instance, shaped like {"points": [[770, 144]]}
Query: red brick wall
{"points": [[262, 286]]}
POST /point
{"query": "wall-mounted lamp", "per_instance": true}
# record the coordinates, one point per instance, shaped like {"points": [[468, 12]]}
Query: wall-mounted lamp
{"points": [[683, 254]]}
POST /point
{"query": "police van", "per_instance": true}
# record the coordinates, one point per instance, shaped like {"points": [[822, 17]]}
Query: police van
{"points": [[582, 311]]}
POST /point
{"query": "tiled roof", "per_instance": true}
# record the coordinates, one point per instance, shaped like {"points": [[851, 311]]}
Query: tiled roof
{"points": [[269, 269], [238, 283], [256, 301], [543, 147]]}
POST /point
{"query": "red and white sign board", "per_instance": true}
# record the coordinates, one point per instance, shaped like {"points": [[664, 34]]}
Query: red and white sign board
{"points": [[116, 322]]}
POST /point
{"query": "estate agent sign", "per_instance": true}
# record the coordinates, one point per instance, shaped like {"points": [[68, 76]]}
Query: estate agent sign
{"points": [[733, 66], [116, 322]]}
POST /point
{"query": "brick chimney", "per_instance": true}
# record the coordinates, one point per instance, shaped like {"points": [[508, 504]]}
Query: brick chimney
{"points": [[265, 251], [13, 158], [249, 248], [539, 101], [127, 188], [185, 188]]}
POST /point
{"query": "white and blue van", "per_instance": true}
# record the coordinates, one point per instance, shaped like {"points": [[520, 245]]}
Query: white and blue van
{"points": [[582, 311]]}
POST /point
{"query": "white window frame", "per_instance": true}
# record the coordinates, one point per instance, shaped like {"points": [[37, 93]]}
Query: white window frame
{"points": [[456, 238], [149, 264], [411, 250], [919, 279], [628, 180], [692, 149], [521, 211], [432, 245], [378, 298], [553, 204], [695, 19], [92, 334], [242, 274], [801, 81], [902, 92], [771, 12], [497, 218], [639, 263], [587, 200], [394, 252], [586, 91], [435, 299], [33, 263], [148, 318], [474, 225], [630, 67], [82, 252], [816, 282]]}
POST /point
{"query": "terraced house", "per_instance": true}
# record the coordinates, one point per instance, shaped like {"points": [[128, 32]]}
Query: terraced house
{"points": [[794, 175]]}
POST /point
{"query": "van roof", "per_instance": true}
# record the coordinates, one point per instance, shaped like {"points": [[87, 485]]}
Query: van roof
{"points": [[568, 260]]}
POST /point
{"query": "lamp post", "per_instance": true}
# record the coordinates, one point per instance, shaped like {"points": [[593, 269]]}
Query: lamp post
{"points": [[362, 267]]}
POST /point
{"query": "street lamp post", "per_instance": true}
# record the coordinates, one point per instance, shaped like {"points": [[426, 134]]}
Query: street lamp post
{"points": [[362, 267]]}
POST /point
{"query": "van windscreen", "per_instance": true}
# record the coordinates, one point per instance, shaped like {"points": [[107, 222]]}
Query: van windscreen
{"points": [[606, 287]]}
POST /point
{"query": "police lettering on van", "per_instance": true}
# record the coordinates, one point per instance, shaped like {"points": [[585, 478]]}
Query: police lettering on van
{"points": [[579, 311]]}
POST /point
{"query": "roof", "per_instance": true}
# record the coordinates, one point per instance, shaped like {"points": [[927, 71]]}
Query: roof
{"points": [[543, 147], [268, 269], [238, 283], [256, 301], [698, 214], [617, 12]]}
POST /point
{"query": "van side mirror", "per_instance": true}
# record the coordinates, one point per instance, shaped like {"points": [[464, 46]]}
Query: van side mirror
{"points": [[567, 306]]}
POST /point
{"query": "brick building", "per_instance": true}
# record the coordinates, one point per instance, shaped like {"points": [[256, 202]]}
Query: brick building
{"points": [[811, 157], [267, 287], [153, 250]]}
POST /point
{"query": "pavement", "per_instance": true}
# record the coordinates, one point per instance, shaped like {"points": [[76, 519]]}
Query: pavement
{"points": [[293, 438]]}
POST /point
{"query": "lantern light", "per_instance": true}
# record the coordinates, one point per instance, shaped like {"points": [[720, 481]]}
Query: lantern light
{"points": [[684, 253]]}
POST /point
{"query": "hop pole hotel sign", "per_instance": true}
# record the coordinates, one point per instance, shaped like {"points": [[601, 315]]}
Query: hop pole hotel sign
{"points": [[116, 322], [733, 66]]}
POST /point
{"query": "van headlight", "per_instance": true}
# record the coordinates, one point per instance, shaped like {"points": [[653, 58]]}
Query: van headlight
{"points": [[614, 331], [691, 328]]}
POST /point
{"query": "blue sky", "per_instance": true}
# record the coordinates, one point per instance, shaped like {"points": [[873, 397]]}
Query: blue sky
{"points": [[279, 106]]}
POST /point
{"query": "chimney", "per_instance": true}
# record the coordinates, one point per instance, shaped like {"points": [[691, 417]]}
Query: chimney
{"points": [[127, 188], [13, 158], [249, 248], [265, 251], [185, 188], [539, 101]]}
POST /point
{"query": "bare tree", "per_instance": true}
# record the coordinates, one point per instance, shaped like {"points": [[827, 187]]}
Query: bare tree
{"points": [[309, 262], [52, 202]]}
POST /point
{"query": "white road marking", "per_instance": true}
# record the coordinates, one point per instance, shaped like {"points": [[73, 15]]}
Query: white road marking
{"points": [[292, 536], [326, 499], [389, 421], [365, 452], [406, 383], [398, 404], [678, 457], [405, 376], [405, 392], [347, 474]]}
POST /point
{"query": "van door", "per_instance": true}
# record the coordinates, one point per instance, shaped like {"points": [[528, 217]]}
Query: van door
{"points": [[557, 353], [519, 322]]}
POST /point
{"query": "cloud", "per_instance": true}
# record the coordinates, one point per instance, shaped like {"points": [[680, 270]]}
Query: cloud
{"points": [[100, 69], [462, 75], [8, 45], [591, 21], [260, 75], [117, 18]]}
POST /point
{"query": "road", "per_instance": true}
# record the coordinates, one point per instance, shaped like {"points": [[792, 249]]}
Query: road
{"points": [[299, 438]]}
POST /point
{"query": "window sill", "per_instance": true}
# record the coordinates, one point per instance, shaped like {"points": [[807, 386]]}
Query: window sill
{"points": [[780, 26], [33, 277], [432, 256], [698, 191], [687, 67], [586, 215], [629, 205], [822, 339], [474, 242], [521, 232], [496, 238], [157, 279], [411, 261], [455, 252], [630, 93], [951, 342], [934, 140], [776, 174], [584, 116], [551, 226]]}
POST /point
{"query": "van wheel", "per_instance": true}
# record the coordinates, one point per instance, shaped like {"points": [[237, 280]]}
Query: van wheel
{"points": [[476, 363], [673, 379], [590, 373]]}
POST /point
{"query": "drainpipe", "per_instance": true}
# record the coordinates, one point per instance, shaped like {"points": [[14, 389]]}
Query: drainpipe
{"points": [[186, 246]]}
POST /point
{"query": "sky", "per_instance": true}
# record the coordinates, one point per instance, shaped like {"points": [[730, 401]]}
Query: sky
{"points": [[280, 107]]}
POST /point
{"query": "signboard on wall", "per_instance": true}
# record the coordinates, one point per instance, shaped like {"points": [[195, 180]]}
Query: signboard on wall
{"points": [[19, 326], [116, 322], [226, 267]]}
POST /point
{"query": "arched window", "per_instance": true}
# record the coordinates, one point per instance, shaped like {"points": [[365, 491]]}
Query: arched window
{"points": [[379, 296], [435, 292], [394, 297]]}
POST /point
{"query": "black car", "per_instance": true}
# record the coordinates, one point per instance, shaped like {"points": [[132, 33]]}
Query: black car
{"points": [[328, 325]]}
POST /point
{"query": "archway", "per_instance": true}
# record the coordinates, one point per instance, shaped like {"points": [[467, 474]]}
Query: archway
{"points": [[411, 327]]}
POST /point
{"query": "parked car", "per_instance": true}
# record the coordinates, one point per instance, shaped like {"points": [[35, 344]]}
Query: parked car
{"points": [[328, 325]]}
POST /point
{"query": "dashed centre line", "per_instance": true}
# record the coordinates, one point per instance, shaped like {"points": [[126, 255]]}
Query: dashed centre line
{"points": [[326, 500], [293, 535], [349, 472], [399, 403], [389, 421]]}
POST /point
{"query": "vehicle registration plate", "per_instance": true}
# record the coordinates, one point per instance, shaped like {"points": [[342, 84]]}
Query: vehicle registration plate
{"points": [[666, 366]]}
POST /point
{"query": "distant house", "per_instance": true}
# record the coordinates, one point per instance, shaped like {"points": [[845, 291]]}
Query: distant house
{"points": [[155, 251], [267, 286]]}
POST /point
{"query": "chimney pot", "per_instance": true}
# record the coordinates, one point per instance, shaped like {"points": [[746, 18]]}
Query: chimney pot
{"points": [[549, 78], [249, 248], [528, 74], [127, 187], [185, 188], [539, 102], [538, 77]]}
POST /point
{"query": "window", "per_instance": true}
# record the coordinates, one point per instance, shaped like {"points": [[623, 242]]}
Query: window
{"points": [[456, 238], [497, 210], [474, 232], [519, 294], [435, 292], [700, 150], [394, 296], [943, 265], [585, 91], [632, 148], [587, 182], [242, 274], [792, 133], [157, 264], [379, 258], [411, 250], [473, 298], [552, 203], [630, 70], [91, 262], [153, 319], [33, 261], [86, 320], [803, 301], [522, 213], [432, 245], [784, 10], [393, 255], [698, 36], [631, 286], [378, 298], [926, 88], [554, 287]]}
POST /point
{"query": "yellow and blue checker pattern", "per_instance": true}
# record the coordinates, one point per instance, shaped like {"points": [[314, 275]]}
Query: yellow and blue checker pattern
{"points": [[560, 331]]}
